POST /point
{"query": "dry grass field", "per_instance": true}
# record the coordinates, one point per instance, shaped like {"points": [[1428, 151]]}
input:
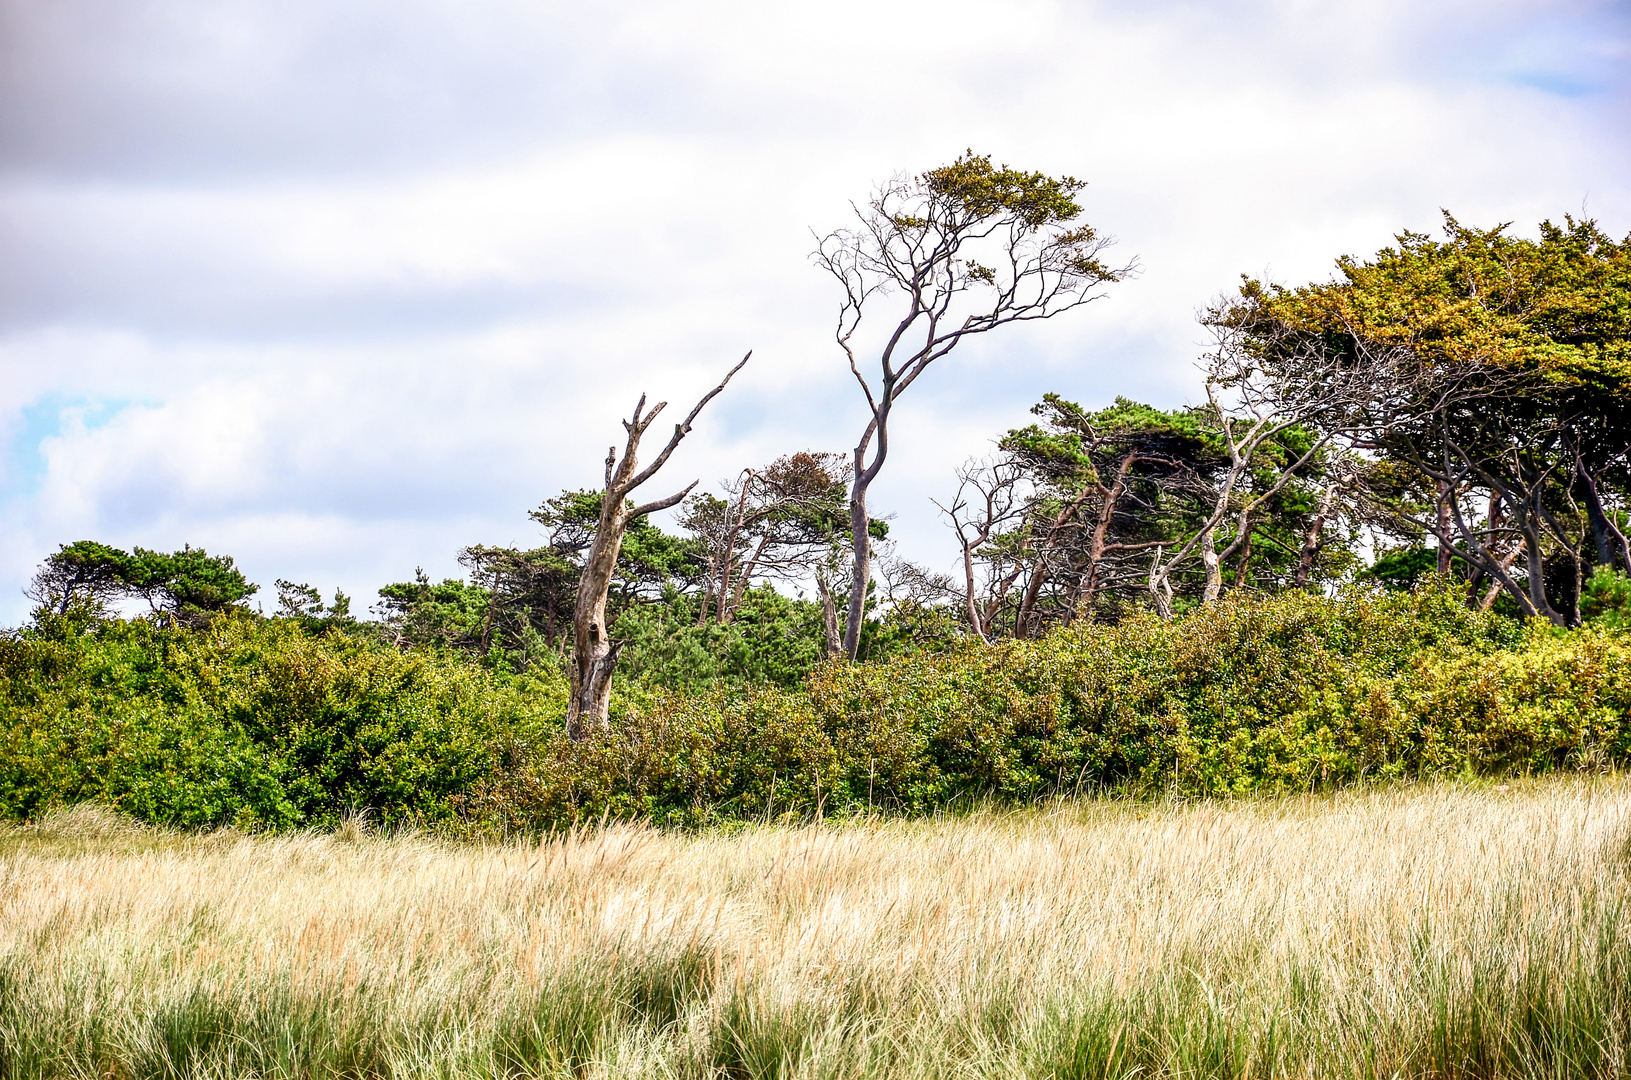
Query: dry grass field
{"points": [[1439, 930]]}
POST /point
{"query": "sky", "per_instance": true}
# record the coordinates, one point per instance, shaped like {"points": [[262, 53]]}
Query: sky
{"points": [[338, 289]]}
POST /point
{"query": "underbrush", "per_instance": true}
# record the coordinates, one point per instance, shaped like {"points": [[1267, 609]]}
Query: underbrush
{"points": [[259, 724], [1427, 930]]}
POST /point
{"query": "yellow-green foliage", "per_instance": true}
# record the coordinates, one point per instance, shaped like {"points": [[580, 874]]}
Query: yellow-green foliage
{"points": [[1250, 695], [255, 722], [249, 721]]}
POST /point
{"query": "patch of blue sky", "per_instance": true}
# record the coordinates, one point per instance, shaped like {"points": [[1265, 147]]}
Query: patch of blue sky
{"points": [[1580, 54], [1557, 84], [50, 417]]}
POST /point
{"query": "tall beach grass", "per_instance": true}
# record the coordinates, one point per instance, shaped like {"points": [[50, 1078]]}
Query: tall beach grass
{"points": [[1438, 930]]}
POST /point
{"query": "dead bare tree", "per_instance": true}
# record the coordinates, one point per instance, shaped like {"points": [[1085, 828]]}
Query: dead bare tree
{"points": [[594, 654], [992, 497], [925, 237]]}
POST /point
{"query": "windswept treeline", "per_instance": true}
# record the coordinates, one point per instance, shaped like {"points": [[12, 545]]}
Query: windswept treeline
{"points": [[1447, 423]]}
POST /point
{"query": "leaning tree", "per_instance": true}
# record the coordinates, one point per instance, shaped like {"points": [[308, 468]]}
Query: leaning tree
{"points": [[1501, 375], [969, 247], [594, 653]]}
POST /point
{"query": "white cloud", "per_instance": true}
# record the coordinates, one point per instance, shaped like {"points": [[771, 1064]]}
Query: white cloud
{"points": [[364, 288]]}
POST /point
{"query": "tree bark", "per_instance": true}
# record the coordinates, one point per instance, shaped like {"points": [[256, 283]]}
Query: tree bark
{"points": [[1160, 587], [861, 544], [743, 579], [1245, 556], [1314, 538], [1495, 590], [974, 618], [1445, 524], [594, 654], [1610, 541], [1039, 576], [1101, 529], [1213, 566], [829, 617]]}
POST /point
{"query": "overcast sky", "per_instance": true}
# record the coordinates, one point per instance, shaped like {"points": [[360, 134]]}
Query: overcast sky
{"points": [[340, 288]]}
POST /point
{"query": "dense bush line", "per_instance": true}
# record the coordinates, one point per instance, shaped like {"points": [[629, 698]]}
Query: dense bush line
{"points": [[262, 724]]}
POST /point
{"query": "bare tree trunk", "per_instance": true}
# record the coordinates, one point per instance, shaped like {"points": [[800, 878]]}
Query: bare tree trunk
{"points": [[1245, 556], [1027, 599], [1496, 589], [1039, 576], [1314, 538], [829, 617], [1214, 568], [1101, 528], [594, 654], [861, 543], [1492, 522], [975, 621], [743, 579], [1445, 524], [730, 549], [1160, 588]]}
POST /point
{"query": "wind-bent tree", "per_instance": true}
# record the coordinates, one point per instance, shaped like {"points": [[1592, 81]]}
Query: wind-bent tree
{"points": [[776, 521], [1277, 426], [187, 586], [1112, 485], [993, 497], [1501, 375], [594, 654], [970, 247]]}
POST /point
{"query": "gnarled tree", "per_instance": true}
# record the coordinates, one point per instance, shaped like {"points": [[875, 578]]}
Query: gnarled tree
{"points": [[594, 654], [970, 247], [1501, 374], [776, 521]]}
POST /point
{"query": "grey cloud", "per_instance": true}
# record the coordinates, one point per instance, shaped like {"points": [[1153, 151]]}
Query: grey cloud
{"points": [[231, 88], [237, 185]]}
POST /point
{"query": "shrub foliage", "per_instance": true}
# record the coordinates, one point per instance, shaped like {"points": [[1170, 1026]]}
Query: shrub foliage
{"points": [[263, 723]]}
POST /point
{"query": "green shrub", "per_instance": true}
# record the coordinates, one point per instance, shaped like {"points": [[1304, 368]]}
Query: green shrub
{"points": [[248, 721], [257, 722], [1607, 599], [1249, 695]]}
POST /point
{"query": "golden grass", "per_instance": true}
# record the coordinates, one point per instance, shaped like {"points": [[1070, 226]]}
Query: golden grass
{"points": [[1421, 931]]}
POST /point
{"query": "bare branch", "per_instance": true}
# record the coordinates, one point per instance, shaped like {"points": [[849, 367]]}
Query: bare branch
{"points": [[682, 429]]}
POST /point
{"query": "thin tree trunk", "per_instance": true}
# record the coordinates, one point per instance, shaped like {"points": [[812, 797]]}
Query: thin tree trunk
{"points": [[974, 618], [1604, 531], [1445, 525], [725, 573], [1214, 568], [743, 579], [1027, 599], [1101, 528], [1495, 590], [861, 543], [1245, 556], [1492, 522], [1535, 565], [1039, 577], [1160, 588], [829, 617], [1314, 538]]}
